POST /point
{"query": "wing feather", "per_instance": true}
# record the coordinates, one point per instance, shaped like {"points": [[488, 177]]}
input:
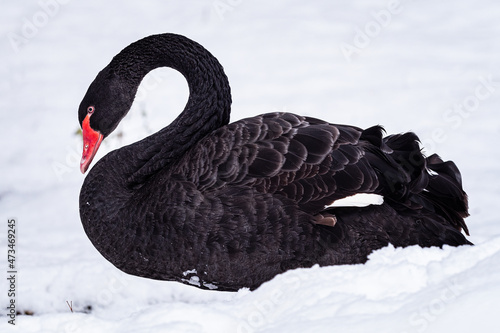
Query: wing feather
{"points": [[304, 159]]}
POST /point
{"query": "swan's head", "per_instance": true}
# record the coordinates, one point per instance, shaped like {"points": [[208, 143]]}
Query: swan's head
{"points": [[106, 102]]}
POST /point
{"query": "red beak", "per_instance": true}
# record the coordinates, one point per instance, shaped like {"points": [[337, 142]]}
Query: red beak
{"points": [[91, 142]]}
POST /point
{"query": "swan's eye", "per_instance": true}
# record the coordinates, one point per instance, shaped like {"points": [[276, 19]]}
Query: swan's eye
{"points": [[90, 110]]}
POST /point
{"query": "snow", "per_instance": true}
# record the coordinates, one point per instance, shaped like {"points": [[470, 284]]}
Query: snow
{"points": [[359, 200], [431, 67]]}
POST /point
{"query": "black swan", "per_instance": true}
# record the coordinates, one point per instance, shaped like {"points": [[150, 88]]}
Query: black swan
{"points": [[225, 206]]}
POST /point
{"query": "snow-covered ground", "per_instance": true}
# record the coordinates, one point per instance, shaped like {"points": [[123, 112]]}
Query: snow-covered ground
{"points": [[427, 66]]}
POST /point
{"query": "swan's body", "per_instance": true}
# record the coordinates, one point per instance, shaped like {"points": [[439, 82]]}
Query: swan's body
{"points": [[237, 204]]}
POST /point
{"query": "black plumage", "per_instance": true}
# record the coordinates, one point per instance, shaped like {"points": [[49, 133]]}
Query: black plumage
{"points": [[235, 204]]}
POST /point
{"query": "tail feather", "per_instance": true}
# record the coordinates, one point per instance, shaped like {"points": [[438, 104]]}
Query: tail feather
{"points": [[424, 203], [407, 153], [445, 192], [399, 163], [434, 185]]}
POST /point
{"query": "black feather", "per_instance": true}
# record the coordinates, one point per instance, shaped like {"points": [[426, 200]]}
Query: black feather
{"points": [[235, 204]]}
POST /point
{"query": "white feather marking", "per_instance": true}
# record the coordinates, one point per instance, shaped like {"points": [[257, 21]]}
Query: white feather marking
{"points": [[191, 271], [193, 280], [358, 200]]}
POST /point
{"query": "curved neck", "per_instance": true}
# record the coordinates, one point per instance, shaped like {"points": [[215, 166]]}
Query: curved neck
{"points": [[112, 183], [207, 109]]}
